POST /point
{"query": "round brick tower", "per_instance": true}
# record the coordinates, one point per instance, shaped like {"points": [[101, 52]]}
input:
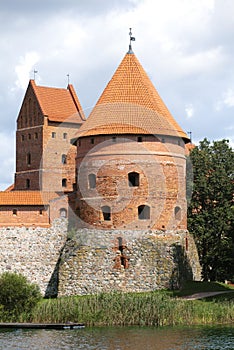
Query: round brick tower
{"points": [[131, 157], [130, 201]]}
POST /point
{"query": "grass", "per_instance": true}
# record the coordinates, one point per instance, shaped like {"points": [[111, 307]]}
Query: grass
{"points": [[192, 287], [159, 308]]}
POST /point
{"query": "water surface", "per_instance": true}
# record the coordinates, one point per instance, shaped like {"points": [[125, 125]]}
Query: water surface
{"points": [[127, 338]]}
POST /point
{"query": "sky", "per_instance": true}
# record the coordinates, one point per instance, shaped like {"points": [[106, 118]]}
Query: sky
{"points": [[185, 46]]}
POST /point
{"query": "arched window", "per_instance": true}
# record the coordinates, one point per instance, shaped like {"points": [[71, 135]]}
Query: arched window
{"points": [[63, 213], [133, 179], [64, 182], [27, 183], [92, 181], [29, 158], [64, 159], [143, 212], [106, 212], [177, 212]]}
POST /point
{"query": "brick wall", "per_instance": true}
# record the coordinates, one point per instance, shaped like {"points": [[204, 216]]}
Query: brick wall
{"points": [[24, 216], [161, 169]]}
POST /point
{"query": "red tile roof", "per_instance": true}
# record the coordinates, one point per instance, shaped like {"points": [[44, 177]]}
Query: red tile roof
{"points": [[26, 197], [129, 103], [58, 104]]}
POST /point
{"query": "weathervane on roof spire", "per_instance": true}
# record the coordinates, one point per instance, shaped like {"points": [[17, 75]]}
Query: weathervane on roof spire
{"points": [[34, 74], [132, 38]]}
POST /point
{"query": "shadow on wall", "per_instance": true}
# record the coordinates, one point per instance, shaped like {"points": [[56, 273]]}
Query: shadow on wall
{"points": [[52, 287], [182, 271]]}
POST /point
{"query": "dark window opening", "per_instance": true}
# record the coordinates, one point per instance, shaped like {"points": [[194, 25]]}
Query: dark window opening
{"points": [[163, 140], [64, 135], [63, 213], [53, 135], [92, 141], [36, 135], [143, 212], [92, 180], [41, 211], [114, 139], [64, 159], [22, 137], [14, 211], [64, 182], [133, 179], [29, 158], [29, 136], [177, 213], [139, 139], [27, 183], [106, 212]]}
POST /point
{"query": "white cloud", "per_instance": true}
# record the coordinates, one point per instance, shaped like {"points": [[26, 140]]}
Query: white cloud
{"points": [[189, 109], [227, 100], [7, 159], [24, 69]]}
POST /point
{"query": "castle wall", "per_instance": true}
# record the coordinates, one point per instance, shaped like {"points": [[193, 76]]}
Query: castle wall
{"points": [[131, 261], [90, 260], [34, 252]]}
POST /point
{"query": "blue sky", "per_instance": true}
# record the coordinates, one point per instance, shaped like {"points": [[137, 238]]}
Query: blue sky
{"points": [[185, 46]]}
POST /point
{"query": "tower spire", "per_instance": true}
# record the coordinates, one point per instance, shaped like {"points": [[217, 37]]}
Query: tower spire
{"points": [[131, 39]]}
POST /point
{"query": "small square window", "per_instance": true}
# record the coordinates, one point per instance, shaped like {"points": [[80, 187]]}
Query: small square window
{"points": [[64, 182], [53, 135], [139, 139], [64, 135]]}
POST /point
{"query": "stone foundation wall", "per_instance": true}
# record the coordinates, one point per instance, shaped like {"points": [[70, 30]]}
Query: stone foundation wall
{"points": [[34, 252], [101, 260], [92, 261]]}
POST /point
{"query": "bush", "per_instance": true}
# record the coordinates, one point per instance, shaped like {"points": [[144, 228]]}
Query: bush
{"points": [[17, 295]]}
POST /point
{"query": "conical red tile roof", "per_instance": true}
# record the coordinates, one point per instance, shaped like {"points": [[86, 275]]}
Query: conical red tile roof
{"points": [[130, 104]]}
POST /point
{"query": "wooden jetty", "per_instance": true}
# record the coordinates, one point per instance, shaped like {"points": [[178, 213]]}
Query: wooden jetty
{"points": [[42, 325]]}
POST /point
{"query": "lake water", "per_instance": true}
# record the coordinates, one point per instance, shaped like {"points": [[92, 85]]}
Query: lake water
{"points": [[127, 338]]}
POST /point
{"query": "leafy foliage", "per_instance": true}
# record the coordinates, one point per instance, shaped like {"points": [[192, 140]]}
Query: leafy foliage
{"points": [[17, 295], [211, 211]]}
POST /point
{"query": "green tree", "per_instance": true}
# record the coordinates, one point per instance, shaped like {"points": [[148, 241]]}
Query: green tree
{"points": [[211, 210], [17, 295]]}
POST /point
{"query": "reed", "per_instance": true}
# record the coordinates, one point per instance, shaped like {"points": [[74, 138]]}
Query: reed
{"points": [[126, 309]]}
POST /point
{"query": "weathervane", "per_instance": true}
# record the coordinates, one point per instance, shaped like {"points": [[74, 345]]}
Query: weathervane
{"points": [[132, 38], [34, 74]]}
